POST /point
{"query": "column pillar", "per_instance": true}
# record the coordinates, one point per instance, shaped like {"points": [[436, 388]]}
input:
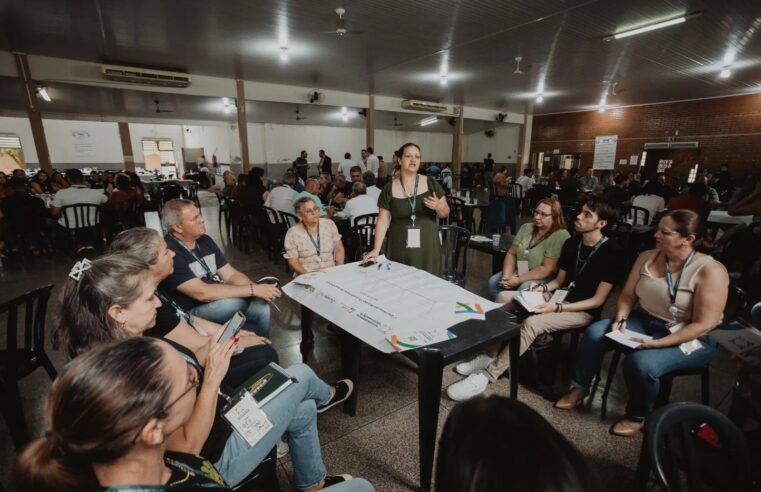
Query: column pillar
{"points": [[242, 125], [370, 126], [524, 149], [124, 136], [457, 137], [29, 91]]}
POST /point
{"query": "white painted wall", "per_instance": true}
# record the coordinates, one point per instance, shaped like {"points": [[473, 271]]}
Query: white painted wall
{"points": [[503, 146], [22, 128], [103, 136], [220, 140], [139, 131]]}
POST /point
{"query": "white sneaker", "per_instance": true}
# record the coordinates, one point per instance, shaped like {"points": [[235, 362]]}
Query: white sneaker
{"points": [[469, 387], [477, 364]]}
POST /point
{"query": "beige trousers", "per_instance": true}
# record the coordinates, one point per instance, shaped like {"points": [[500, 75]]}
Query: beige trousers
{"points": [[532, 327]]}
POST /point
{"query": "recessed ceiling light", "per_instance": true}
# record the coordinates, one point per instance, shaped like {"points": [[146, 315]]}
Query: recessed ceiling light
{"points": [[725, 73], [540, 98]]}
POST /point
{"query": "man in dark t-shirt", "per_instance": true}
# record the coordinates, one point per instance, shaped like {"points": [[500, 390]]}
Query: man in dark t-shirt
{"points": [[203, 283], [488, 169], [588, 268]]}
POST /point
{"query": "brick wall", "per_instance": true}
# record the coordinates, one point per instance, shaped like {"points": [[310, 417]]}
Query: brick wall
{"points": [[727, 129]]}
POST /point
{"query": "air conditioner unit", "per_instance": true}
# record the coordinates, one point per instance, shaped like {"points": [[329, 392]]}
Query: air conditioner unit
{"points": [[145, 76], [671, 145], [429, 106]]}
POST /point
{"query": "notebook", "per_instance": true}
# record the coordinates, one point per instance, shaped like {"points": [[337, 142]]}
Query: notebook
{"points": [[267, 383]]}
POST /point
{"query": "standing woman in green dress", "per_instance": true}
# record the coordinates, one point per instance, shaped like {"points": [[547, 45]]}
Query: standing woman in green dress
{"points": [[408, 208]]}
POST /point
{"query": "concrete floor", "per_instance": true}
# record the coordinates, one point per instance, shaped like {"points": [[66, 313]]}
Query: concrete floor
{"points": [[380, 442]]}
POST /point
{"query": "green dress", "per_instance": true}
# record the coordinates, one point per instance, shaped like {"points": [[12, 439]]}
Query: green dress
{"points": [[428, 256]]}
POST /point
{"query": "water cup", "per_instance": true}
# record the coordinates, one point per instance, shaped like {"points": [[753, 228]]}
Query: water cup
{"points": [[495, 240]]}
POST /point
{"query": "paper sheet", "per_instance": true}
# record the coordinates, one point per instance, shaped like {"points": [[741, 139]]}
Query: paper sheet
{"points": [[626, 337], [530, 300]]}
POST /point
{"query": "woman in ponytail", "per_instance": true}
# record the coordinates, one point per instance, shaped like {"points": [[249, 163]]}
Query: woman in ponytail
{"points": [[108, 415]]}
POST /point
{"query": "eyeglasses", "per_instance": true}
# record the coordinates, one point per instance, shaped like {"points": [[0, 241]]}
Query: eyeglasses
{"points": [[309, 211], [193, 384], [412, 156], [540, 213]]}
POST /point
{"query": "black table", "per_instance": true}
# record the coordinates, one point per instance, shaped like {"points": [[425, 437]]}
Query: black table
{"points": [[472, 338], [497, 253]]}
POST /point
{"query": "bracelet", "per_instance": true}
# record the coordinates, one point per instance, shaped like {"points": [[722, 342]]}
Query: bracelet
{"points": [[558, 307], [252, 289]]}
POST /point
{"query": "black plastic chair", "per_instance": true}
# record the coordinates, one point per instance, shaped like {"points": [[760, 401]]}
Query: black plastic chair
{"points": [[456, 211], [365, 219], [192, 193], [454, 253], [24, 352], [169, 191], [224, 211], [638, 216], [288, 219], [276, 233], [736, 301], [82, 219], [673, 449], [361, 240], [569, 215]]}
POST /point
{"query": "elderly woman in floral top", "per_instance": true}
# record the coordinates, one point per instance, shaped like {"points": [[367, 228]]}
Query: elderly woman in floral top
{"points": [[314, 243]]}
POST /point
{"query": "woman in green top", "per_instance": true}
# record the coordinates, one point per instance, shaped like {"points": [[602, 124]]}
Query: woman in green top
{"points": [[537, 243], [408, 207]]}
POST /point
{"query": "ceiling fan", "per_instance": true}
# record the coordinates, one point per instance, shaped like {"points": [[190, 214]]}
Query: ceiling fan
{"points": [[158, 107], [518, 60], [340, 29]]}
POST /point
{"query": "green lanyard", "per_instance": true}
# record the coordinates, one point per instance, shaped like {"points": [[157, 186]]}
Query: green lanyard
{"points": [[532, 245], [674, 287], [586, 261], [413, 199], [315, 243]]}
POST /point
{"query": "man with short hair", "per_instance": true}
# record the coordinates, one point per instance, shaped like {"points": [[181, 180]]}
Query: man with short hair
{"points": [[372, 190], [355, 174], [588, 268], [19, 173], [382, 177], [346, 164], [301, 165], [77, 193], [363, 162], [326, 163], [488, 169], [371, 162], [662, 189], [282, 197], [617, 195], [589, 181], [203, 283], [359, 203], [312, 190], [711, 196], [526, 181]]}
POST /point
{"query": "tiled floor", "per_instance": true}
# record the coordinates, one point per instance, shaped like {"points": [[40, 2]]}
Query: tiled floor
{"points": [[380, 442]]}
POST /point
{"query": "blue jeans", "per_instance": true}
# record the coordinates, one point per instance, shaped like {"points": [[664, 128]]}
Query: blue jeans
{"points": [[495, 289], [293, 411], [642, 368], [220, 311]]}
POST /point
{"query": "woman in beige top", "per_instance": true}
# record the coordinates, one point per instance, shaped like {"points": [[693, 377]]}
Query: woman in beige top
{"points": [[314, 243], [680, 295]]}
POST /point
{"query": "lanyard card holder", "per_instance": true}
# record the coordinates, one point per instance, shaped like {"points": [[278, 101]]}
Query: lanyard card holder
{"points": [[413, 237], [247, 418]]}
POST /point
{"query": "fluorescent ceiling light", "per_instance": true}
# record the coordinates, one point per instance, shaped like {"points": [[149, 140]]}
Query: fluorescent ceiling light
{"points": [[43, 92], [284, 53], [429, 121], [651, 27], [725, 73], [443, 80]]}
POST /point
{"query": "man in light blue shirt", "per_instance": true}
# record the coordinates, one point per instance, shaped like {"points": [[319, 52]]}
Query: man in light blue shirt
{"points": [[311, 189]]}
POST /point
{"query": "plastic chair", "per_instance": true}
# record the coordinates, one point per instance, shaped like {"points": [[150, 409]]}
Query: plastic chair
{"points": [[224, 211], [361, 240], [673, 446], [82, 219], [18, 361], [289, 219], [365, 219], [277, 229], [456, 211], [736, 301], [634, 214], [169, 191], [454, 253]]}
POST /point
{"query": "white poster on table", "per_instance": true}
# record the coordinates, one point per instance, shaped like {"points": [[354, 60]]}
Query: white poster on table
{"points": [[605, 152], [84, 145]]}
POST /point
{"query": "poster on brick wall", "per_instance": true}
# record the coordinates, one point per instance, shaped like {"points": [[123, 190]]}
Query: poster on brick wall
{"points": [[605, 152]]}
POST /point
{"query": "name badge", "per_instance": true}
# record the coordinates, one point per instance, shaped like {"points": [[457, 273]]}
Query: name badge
{"points": [[687, 347], [522, 267], [248, 420], [413, 237], [559, 296]]}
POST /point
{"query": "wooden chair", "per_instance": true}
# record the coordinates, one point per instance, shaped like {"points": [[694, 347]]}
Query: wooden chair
{"points": [[24, 352]]}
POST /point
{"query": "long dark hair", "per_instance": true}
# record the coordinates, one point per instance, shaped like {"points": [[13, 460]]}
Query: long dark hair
{"points": [[495, 444], [111, 280], [94, 411]]}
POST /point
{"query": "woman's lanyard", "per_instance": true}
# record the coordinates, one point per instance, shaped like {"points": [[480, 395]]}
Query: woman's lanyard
{"points": [[315, 243], [674, 287], [411, 199], [200, 260], [586, 261], [532, 245]]}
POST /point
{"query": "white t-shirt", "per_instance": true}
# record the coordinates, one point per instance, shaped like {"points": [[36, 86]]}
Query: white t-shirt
{"points": [[281, 198], [346, 165], [374, 192], [651, 203], [74, 195], [372, 164], [526, 182], [359, 205]]}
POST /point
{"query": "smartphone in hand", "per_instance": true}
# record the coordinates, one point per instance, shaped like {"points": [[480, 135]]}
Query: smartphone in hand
{"points": [[233, 327]]}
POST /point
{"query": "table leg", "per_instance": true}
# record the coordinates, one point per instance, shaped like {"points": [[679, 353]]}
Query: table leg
{"points": [[515, 350], [350, 357], [430, 369], [307, 336]]}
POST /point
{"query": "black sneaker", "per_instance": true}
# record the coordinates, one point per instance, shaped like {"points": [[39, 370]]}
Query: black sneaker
{"points": [[343, 388], [334, 479]]}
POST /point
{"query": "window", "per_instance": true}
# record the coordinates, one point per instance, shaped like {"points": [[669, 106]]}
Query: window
{"points": [[11, 153], [158, 153], [693, 174]]}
